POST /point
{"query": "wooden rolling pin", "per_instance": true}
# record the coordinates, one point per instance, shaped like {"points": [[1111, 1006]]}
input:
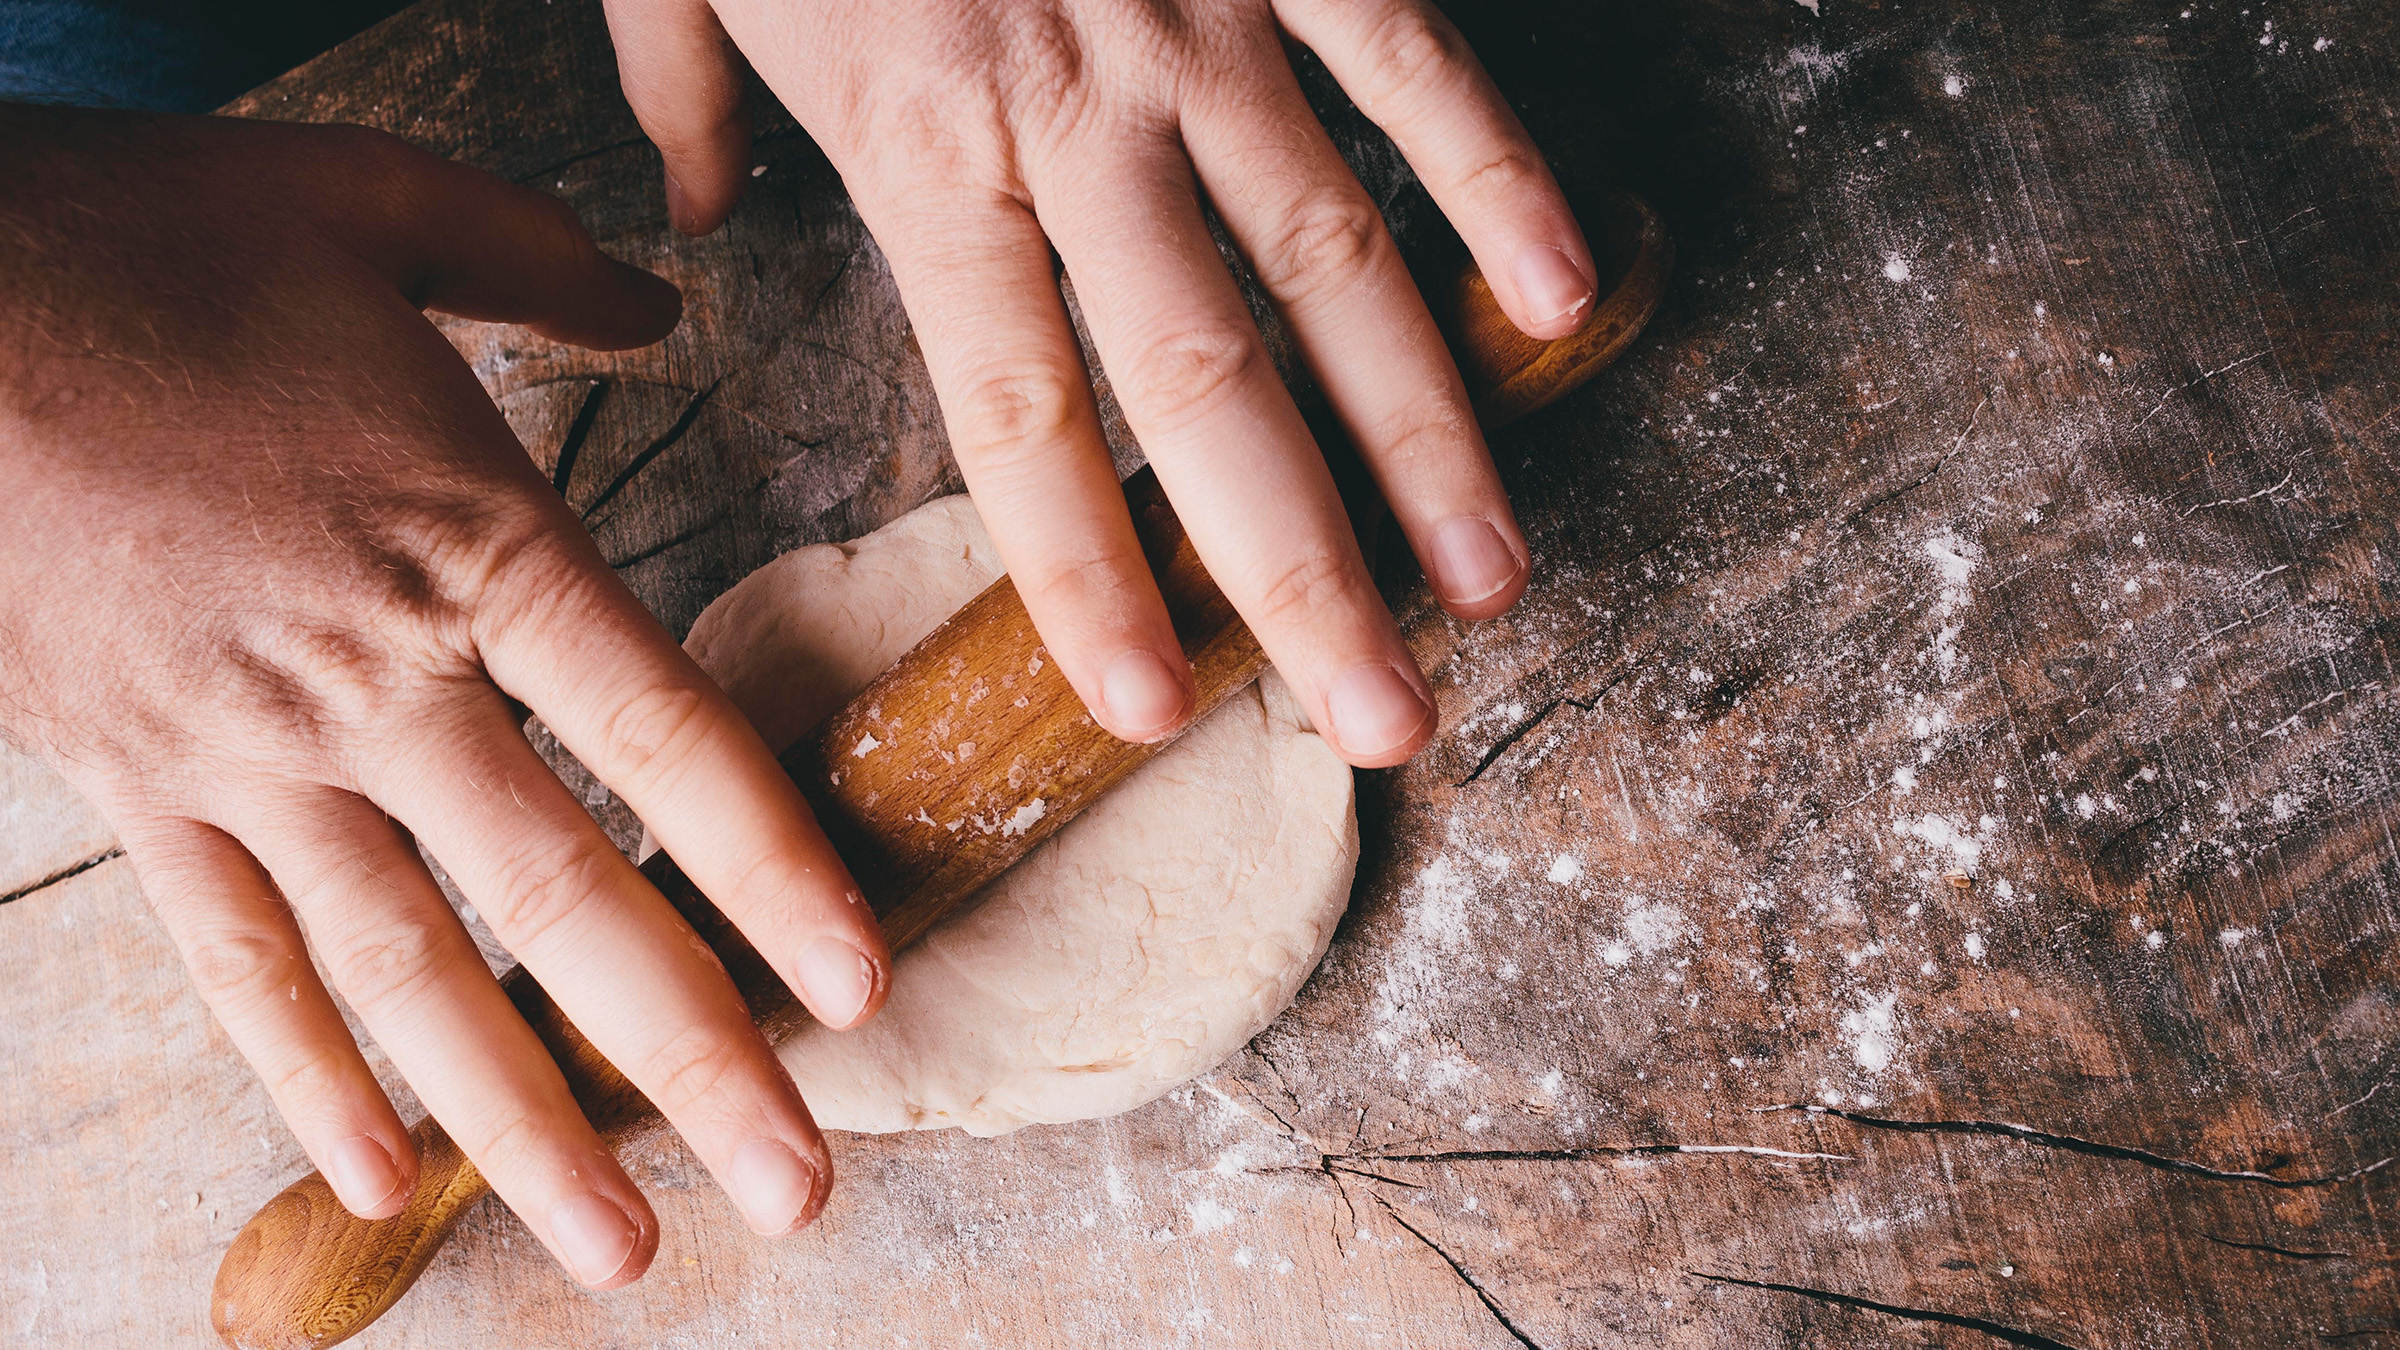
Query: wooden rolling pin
{"points": [[305, 1272]]}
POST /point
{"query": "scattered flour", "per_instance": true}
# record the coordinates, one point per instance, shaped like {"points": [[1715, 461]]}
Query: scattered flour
{"points": [[1954, 562], [1208, 1216], [1652, 926], [1870, 1029], [1960, 847]]}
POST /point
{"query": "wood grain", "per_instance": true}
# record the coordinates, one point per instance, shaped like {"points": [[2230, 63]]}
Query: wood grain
{"points": [[2211, 213]]}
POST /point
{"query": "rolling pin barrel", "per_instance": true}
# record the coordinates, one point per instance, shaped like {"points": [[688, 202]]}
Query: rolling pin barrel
{"points": [[305, 1272]]}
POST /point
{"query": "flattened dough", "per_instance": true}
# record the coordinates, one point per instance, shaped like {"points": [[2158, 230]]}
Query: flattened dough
{"points": [[1145, 942]]}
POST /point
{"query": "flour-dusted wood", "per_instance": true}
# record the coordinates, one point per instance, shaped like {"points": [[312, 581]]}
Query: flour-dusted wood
{"points": [[2172, 194]]}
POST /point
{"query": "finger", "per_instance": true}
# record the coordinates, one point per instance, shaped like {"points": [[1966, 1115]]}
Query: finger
{"points": [[684, 78], [399, 956], [461, 241], [570, 642], [1230, 448], [984, 300], [1407, 68], [614, 956], [1317, 243], [252, 970]]}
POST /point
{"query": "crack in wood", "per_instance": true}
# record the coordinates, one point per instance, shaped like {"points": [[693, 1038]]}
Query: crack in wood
{"points": [[1337, 1165], [1482, 1295], [1588, 703], [2272, 1250], [2049, 1139], [676, 540], [559, 166], [665, 442], [1588, 1153], [1997, 1330], [570, 448], [1904, 489], [67, 873], [690, 533]]}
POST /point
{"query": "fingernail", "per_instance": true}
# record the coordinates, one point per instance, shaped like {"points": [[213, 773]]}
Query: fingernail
{"points": [[1373, 709], [1142, 695], [679, 206], [594, 1236], [1550, 285], [836, 978], [361, 1172], [772, 1187], [1471, 561]]}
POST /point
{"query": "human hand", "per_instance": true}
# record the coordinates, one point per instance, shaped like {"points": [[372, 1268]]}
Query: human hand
{"points": [[976, 136], [276, 586]]}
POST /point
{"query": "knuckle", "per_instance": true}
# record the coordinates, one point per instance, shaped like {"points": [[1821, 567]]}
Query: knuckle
{"points": [[767, 882], [559, 221], [1083, 583], [689, 1068], [657, 729], [916, 126], [316, 1082], [484, 544], [504, 1139], [1186, 374], [1047, 84], [371, 147], [1512, 171], [1413, 54], [387, 176], [1328, 244], [1430, 427], [541, 888], [1008, 416], [318, 678], [1306, 588], [389, 966], [511, 563], [558, 228], [240, 967]]}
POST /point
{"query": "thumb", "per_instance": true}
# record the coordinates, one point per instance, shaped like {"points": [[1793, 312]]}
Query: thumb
{"points": [[685, 81], [458, 240]]}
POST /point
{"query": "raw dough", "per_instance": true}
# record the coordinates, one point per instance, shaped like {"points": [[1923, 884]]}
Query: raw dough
{"points": [[1148, 940]]}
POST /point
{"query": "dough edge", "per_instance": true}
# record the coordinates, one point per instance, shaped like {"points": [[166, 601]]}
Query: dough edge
{"points": [[1139, 947]]}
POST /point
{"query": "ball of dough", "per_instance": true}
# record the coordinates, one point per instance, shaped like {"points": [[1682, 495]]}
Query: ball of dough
{"points": [[1149, 939]]}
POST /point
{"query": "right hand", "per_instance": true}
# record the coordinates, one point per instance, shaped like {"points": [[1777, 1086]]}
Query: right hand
{"points": [[277, 586], [990, 143]]}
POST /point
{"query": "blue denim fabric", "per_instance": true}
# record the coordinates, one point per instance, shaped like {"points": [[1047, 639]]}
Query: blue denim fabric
{"points": [[161, 54]]}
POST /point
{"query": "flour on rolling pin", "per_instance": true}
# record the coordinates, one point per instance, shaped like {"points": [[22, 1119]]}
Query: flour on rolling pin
{"points": [[1146, 941]]}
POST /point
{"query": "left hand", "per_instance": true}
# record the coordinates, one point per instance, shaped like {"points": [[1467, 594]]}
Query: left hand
{"points": [[976, 135]]}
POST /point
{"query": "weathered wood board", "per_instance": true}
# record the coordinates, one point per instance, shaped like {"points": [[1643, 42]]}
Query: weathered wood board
{"points": [[1956, 697]]}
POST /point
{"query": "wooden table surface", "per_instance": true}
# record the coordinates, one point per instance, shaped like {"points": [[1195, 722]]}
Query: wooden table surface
{"points": [[1917, 869]]}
